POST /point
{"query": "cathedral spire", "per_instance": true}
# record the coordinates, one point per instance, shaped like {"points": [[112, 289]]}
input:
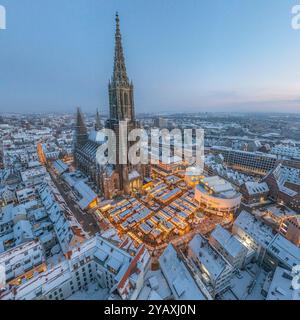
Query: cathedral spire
{"points": [[80, 129], [120, 74], [98, 125], [121, 99]]}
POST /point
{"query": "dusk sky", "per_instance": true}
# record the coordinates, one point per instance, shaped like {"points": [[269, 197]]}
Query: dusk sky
{"points": [[182, 55]]}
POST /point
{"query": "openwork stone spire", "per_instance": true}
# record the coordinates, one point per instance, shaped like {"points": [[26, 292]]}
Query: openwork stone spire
{"points": [[98, 125], [120, 74], [121, 100], [80, 130]]}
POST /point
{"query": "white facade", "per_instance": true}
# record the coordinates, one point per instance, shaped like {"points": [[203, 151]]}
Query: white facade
{"points": [[228, 246], [94, 260], [217, 196], [213, 269], [253, 233], [21, 259]]}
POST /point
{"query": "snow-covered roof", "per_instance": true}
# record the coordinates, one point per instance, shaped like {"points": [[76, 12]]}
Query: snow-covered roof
{"points": [[255, 228], [133, 175], [256, 187], [60, 166], [281, 288], [285, 251], [212, 261], [23, 231], [228, 241], [218, 186], [180, 281], [17, 254], [32, 173], [86, 193], [7, 214]]}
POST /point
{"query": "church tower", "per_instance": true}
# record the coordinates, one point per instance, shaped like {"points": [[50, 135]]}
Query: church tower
{"points": [[98, 124], [81, 135], [121, 101], [121, 106]]}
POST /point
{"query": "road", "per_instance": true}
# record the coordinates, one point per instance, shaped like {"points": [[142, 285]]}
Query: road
{"points": [[86, 220]]}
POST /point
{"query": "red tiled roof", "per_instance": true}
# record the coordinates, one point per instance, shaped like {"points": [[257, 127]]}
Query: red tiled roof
{"points": [[131, 267]]}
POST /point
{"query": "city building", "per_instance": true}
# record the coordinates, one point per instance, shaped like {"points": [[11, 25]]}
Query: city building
{"points": [[254, 234], [214, 271], [67, 229], [282, 253], [286, 152], [290, 229], [250, 162], [284, 185], [93, 261], [178, 276], [255, 192], [22, 262], [274, 215], [228, 246], [280, 287], [217, 197], [110, 179]]}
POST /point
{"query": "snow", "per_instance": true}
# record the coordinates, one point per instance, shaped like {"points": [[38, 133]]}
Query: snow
{"points": [[281, 288], [247, 284], [86, 193], [256, 187], [285, 251], [228, 241], [150, 289], [259, 231], [92, 292], [208, 257], [178, 276], [133, 175]]}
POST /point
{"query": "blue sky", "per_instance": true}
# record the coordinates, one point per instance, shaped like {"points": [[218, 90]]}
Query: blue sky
{"points": [[182, 55]]}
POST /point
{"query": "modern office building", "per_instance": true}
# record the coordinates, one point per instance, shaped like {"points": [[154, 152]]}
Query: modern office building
{"points": [[251, 162]]}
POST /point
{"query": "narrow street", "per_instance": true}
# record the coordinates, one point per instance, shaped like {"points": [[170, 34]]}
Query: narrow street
{"points": [[87, 220]]}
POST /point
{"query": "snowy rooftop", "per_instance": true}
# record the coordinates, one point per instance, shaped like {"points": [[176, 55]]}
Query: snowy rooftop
{"points": [[285, 251], [285, 174], [86, 193], [218, 187], [180, 281], [255, 228], [133, 175], [212, 261], [280, 211], [281, 288], [17, 254], [60, 166], [256, 187], [32, 173], [228, 241], [267, 155]]}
